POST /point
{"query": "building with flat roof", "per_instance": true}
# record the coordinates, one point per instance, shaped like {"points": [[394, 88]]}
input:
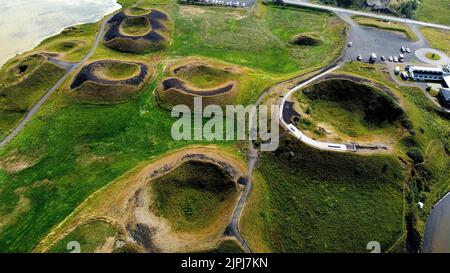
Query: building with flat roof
{"points": [[444, 97], [430, 74]]}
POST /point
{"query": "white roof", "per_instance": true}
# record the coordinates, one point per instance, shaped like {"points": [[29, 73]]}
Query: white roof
{"points": [[447, 80], [433, 69]]}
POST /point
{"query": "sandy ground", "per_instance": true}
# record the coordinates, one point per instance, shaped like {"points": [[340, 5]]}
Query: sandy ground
{"points": [[126, 204]]}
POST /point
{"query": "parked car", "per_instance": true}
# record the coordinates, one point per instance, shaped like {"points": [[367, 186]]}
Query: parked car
{"points": [[403, 49], [397, 70], [383, 58], [359, 58], [395, 59], [350, 44], [391, 59], [408, 50]]}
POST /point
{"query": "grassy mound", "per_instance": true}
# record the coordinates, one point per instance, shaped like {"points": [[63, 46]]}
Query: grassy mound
{"points": [[91, 237], [136, 11], [135, 26], [307, 39], [227, 246], [313, 201], [216, 84], [433, 56], [351, 108], [22, 83], [116, 70], [204, 76], [193, 195]]}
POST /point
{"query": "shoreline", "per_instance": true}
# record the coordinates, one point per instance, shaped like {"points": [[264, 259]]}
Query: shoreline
{"points": [[37, 41]]}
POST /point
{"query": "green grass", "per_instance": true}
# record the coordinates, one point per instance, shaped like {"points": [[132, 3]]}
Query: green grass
{"points": [[203, 76], [16, 99], [438, 38], [435, 11], [135, 26], [192, 195], [353, 109], [328, 202], [258, 42], [433, 56], [386, 25], [117, 70], [228, 246], [91, 237]]}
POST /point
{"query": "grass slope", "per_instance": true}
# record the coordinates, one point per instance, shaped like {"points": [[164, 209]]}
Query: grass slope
{"points": [[193, 195]]}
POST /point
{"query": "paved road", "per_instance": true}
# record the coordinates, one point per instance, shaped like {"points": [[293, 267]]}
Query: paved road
{"points": [[38, 105], [367, 14], [437, 237], [296, 132]]}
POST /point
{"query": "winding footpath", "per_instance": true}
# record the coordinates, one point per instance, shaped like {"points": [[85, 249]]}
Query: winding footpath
{"points": [[52, 89]]}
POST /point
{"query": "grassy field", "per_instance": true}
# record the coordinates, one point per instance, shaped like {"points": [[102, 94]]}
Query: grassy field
{"points": [[439, 39], [354, 110], [18, 93], [433, 56], [428, 181], [91, 236], [135, 26], [259, 41], [205, 76], [386, 25], [117, 70], [434, 11], [70, 150], [193, 195], [325, 202]]}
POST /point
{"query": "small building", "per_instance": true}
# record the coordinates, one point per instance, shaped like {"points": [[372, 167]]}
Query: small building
{"points": [[444, 97], [422, 73]]}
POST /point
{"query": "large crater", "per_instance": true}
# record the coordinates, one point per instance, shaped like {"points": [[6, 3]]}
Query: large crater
{"points": [[140, 31]]}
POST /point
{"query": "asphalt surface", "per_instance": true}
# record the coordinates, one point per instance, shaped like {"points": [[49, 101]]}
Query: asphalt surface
{"points": [[38, 105], [437, 237], [302, 3], [368, 40]]}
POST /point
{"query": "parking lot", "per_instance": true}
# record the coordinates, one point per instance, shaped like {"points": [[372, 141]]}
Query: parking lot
{"points": [[368, 40], [229, 3]]}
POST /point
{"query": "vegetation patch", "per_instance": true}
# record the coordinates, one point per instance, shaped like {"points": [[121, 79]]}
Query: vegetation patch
{"points": [[216, 84], [138, 34], [135, 26], [109, 81], [438, 38], [193, 195], [433, 56], [307, 39], [23, 82], [342, 108], [325, 202], [386, 25], [96, 236]]}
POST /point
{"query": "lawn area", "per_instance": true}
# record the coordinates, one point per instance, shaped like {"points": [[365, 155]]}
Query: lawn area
{"points": [[193, 195], [20, 93], [386, 25], [324, 202], [438, 38], [91, 237], [435, 11], [259, 41]]}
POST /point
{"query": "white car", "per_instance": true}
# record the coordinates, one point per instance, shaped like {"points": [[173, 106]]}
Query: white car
{"points": [[395, 59], [391, 59], [359, 58], [408, 50], [350, 44], [383, 58], [403, 49]]}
